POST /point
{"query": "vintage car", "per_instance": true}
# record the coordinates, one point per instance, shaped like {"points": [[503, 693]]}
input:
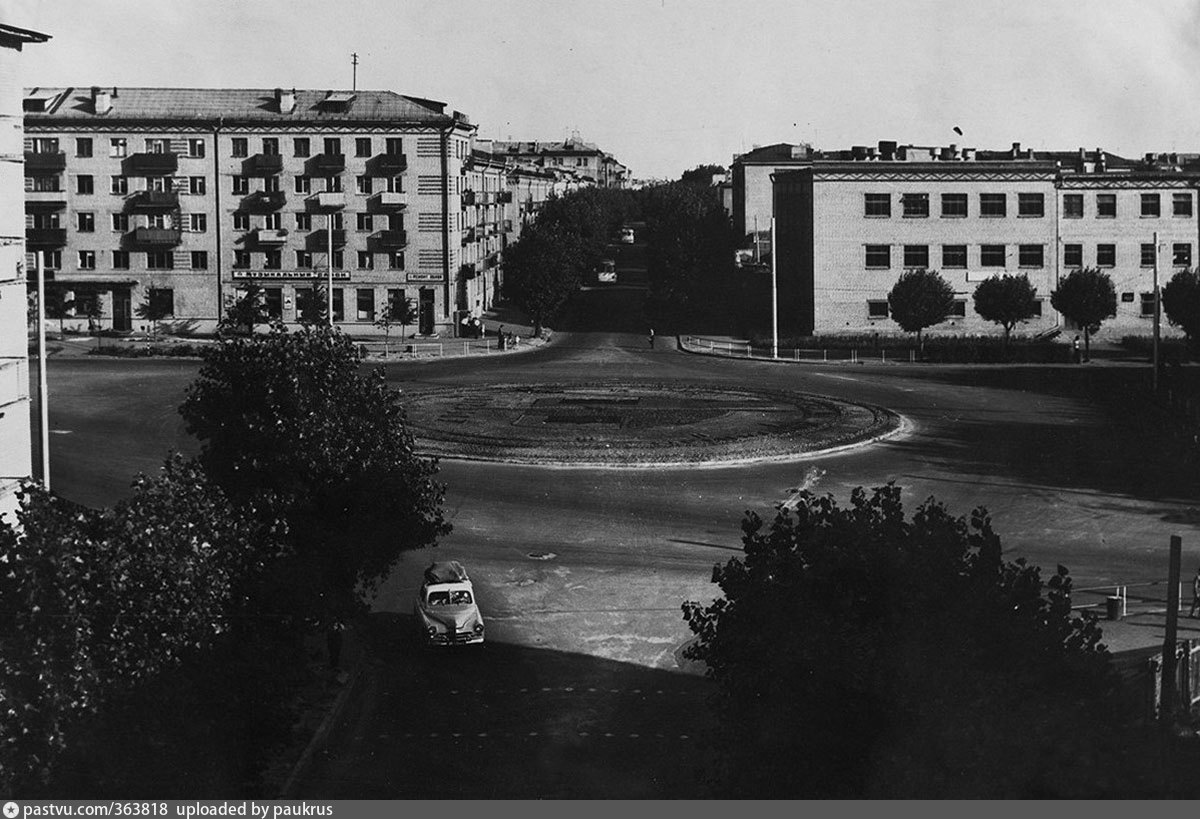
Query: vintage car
{"points": [[446, 611], [627, 236]]}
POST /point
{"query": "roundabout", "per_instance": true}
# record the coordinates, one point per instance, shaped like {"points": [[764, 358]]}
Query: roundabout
{"points": [[623, 425]]}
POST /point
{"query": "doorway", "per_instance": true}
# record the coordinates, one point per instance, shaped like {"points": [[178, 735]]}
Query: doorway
{"points": [[122, 311], [425, 311]]}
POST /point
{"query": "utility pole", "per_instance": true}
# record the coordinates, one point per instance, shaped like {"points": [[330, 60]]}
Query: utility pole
{"points": [[354, 62], [329, 264], [43, 388], [1169, 640], [774, 297], [1154, 378]]}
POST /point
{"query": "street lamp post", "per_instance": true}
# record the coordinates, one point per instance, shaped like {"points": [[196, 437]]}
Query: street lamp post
{"points": [[43, 388], [774, 297], [1154, 377], [329, 266]]}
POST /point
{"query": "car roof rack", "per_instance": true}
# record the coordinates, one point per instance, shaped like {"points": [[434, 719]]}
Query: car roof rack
{"points": [[448, 571]]}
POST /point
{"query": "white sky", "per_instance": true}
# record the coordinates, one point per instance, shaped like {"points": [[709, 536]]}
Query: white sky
{"points": [[669, 84]]}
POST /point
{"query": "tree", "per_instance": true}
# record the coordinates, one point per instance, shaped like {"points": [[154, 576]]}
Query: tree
{"points": [[701, 175], [246, 309], [1006, 300], [1181, 303], [860, 653], [289, 424], [58, 306], [154, 308], [1086, 297], [401, 311], [96, 603], [543, 269], [920, 298]]}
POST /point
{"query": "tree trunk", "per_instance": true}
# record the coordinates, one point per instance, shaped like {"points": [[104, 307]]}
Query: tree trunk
{"points": [[1087, 347]]}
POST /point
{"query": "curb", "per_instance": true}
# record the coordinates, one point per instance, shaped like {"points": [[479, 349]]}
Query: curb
{"points": [[321, 735]]}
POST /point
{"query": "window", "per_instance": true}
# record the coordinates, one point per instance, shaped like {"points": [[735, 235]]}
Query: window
{"points": [[1073, 256], [271, 184], [196, 185], [273, 221], [240, 147], [333, 184], [396, 301], [363, 183], [1037, 308], [45, 183], [394, 146], [241, 259], [395, 184], [958, 308], [954, 205], [241, 221], [270, 146], [1106, 255], [120, 259], [307, 308], [1147, 304], [241, 185], [158, 145], [45, 145], [362, 146], [991, 255], [200, 260], [85, 185], [366, 305], [338, 311], [877, 204], [157, 220], [162, 301], [1031, 204], [83, 147], [1148, 254], [338, 222], [1181, 254], [117, 148], [160, 260], [195, 149], [304, 258], [396, 260], [1073, 205], [339, 260], [879, 256], [273, 260], [1106, 206], [333, 145], [1031, 255], [303, 184], [86, 222], [366, 260], [301, 147], [120, 185], [1127, 298], [52, 259], [1181, 204], [954, 256], [162, 184], [877, 308], [303, 221], [87, 260], [916, 205], [196, 222], [916, 255], [364, 221], [120, 222], [993, 205], [1150, 205], [273, 302]]}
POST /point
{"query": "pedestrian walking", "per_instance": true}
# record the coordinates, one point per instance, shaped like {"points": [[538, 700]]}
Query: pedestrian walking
{"points": [[1195, 594], [1077, 351], [651, 338]]}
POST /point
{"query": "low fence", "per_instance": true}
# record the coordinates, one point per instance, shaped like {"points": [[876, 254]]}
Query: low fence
{"points": [[744, 349], [435, 349]]}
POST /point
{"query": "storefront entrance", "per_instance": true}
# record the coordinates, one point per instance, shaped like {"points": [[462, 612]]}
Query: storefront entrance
{"points": [[425, 311], [122, 311]]}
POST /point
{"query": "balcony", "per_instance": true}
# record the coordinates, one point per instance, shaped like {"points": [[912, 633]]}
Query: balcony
{"points": [[155, 200], [45, 237], [388, 164], [468, 198], [316, 240], [391, 239], [328, 200], [40, 164], [41, 201], [270, 236], [326, 164], [468, 236], [387, 200], [162, 164], [155, 237], [508, 226], [263, 165], [262, 201]]}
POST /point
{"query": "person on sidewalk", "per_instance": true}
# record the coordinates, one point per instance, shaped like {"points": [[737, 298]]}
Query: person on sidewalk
{"points": [[1076, 352], [651, 338], [1195, 594]]}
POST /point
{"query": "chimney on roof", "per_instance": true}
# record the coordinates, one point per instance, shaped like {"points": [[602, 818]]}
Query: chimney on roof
{"points": [[101, 100], [1101, 161], [286, 100], [887, 149], [858, 152], [1016, 151], [872, 154], [968, 154]]}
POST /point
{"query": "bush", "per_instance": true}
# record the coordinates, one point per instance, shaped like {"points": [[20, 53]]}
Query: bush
{"points": [[150, 350], [938, 349]]}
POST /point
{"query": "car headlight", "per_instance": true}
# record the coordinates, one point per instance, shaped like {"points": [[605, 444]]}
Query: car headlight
{"points": [[432, 631], [479, 628]]}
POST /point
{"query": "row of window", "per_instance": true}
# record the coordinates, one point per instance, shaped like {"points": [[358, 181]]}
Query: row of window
{"points": [[879, 308], [272, 260], [118, 147], [85, 184], [879, 257], [995, 205]]}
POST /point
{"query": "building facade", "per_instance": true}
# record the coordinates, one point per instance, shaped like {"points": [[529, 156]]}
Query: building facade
{"points": [[750, 189], [850, 223], [170, 202], [16, 452], [574, 162]]}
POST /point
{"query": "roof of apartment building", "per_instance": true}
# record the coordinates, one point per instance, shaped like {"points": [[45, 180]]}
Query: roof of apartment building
{"points": [[566, 146], [779, 152], [257, 105], [16, 36]]}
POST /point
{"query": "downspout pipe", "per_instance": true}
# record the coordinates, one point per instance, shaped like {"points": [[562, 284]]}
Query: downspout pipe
{"points": [[445, 140]]}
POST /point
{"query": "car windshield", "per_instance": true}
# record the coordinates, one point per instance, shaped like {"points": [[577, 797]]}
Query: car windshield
{"points": [[450, 598]]}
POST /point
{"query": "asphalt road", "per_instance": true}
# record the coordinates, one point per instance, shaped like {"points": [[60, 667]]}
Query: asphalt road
{"points": [[581, 572]]}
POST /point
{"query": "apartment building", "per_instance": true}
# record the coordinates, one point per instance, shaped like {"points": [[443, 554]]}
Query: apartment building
{"points": [[576, 163], [16, 454], [170, 201], [750, 189], [850, 222], [485, 230]]}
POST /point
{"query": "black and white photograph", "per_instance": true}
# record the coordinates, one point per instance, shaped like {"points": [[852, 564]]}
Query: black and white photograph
{"points": [[691, 400]]}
